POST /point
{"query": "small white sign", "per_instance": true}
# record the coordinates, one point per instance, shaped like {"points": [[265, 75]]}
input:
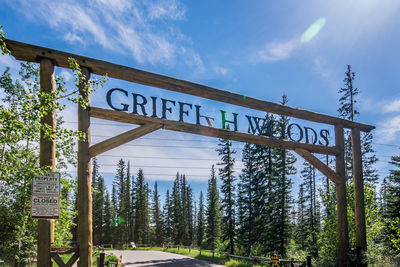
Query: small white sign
{"points": [[45, 207], [47, 184]]}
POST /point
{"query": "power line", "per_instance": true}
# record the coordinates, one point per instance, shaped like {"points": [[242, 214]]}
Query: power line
{"points": [[139, 157], [166, 167]]}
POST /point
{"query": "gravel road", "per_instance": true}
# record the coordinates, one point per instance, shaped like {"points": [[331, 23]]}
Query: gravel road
{"points": [[158, 258]]}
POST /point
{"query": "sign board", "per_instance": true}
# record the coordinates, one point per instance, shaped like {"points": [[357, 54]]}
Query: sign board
{"points": [[45, 199], [47, 184], [45, 207]]}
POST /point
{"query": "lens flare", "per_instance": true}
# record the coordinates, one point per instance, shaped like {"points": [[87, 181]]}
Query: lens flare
{"points": [[313, 30]]}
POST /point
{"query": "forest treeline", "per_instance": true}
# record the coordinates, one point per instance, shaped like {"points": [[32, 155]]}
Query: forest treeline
{"points": [[247, 212]]}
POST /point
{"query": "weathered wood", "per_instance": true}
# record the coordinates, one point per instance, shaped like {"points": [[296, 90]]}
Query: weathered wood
{"points": [[33, 53], [342, 224], [48, 159], [359, 208], [208, 131], [322, 167], [73, 259], [123, 138], [84, 179], [57, 259], [64, 250]]}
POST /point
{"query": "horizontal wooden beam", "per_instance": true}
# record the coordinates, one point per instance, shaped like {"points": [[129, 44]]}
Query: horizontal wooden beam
{"points": [[28, 52], [123, 138], [120, 116], [319, 165]]}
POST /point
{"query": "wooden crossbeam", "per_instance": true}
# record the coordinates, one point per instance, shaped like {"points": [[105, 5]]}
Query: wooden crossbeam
{"points": [[319, 165], [123, 138], [33, 53], [208, 131], [56, 257]]}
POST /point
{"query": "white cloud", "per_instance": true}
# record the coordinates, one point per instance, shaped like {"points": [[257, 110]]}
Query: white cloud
{"points": [[8, 61], [73, 38], [389, 130], [66, 74], [146, 30], [392, 106], [221, 70], [276, 51]]}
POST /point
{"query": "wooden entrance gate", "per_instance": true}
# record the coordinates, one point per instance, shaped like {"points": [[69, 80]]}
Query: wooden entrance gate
{"points": [[48, 58]]}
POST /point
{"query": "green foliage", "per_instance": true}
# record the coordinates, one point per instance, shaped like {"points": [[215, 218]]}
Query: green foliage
{"points": [[3, 46], [228, 200], [213, 213]]}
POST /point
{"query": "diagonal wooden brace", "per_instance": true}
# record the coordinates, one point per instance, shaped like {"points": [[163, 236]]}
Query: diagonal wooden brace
{"points": [[319, 165], [123, 138]]}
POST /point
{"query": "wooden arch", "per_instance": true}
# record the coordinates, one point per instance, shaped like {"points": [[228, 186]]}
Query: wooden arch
{"points": [[48, 58]]}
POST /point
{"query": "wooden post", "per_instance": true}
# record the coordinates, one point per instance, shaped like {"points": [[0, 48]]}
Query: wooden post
{"points": [[47, 158], [342, 224], [84, 176], [361, 234]]}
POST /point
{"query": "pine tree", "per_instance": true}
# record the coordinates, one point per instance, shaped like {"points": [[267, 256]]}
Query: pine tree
{"points": [[141, 230], [128, 209], [213, 213], [157, 220], [392, 211], [200, 222], [108, 220], [167, 218], [226, 174], [98, 194], [311, 211], [176, 202], [284, 162], [248, 203]]}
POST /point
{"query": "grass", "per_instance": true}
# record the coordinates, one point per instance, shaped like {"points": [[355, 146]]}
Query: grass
{"points": [[206, 256], [66, 257]]}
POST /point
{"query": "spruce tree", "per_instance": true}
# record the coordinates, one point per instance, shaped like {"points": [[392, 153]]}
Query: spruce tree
{"points": [[284, 162], [213, 213], [167, 219], [227, 176], [200, 222], [98, 195], [248, 203], [311, 220], [176, 203], [157, 219], [142, 210], [392, 211]]}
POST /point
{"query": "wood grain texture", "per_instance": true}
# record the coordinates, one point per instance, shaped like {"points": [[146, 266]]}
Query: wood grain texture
{"points": [[359, 205], [47, 158], [208, 131], [28, 52], [341, 202], [319, 165], [84, 179], [123, 138]]}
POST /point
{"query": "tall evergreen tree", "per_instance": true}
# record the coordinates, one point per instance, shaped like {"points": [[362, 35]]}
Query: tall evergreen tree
{"points": [[167, 219], [392, 211], [200, 222], [142, 211], [248, 203], [284, 162], [157, 219], [227, 176], [108, 220], [98, 195], [213, 213], [176, 212], [311, 220]]}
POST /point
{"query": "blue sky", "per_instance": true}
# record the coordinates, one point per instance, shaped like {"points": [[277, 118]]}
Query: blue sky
{"points": [[257, 48]]}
